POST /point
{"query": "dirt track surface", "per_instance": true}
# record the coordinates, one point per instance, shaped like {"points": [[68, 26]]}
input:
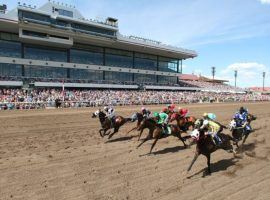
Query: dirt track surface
{"points": [[58, 154]]}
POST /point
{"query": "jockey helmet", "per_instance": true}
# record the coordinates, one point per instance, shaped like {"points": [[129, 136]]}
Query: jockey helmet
{"points": [[172, 106], [143, 108], [205, 114], [156, 114], [106, 108]]}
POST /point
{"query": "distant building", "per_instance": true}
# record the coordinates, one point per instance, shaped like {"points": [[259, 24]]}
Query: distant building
{"points": [[46, 45]]}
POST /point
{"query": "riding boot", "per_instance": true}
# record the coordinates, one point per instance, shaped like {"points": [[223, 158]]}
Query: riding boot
{"points": [[217, 139]]}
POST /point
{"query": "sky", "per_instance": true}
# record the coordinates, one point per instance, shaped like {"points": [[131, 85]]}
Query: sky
{"points": [[227, 34]]}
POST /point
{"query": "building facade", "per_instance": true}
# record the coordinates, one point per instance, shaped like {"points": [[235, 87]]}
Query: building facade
{"points": [[55, 42]]}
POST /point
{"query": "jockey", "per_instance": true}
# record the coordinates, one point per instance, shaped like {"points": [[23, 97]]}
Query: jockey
{"points": [[145, 112], [171, 108], [213, 127], [183, 112], [162, 119], [241, 119], [110, 114]]}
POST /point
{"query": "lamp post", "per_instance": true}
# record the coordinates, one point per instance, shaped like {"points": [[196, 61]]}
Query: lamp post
{"points": [[263, 79], [213, 72], [235, 77]]}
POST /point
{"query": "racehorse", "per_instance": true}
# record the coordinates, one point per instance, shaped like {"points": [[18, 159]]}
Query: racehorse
{"points": [[106, 123], [184, 123], [239, 132], [158, 133], [206, 146]]}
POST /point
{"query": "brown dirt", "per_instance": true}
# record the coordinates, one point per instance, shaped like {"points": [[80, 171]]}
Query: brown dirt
{"points": [[58, 154]]}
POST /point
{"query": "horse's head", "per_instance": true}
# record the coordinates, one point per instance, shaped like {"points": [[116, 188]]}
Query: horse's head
{"points": [[95, 114], [232, 125], [195, 134], [198, 123], [251, 117]]}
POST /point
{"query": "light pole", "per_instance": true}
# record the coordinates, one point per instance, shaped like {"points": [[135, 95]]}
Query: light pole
{"points": [[235, 77], [263, 79], [213, 72]]}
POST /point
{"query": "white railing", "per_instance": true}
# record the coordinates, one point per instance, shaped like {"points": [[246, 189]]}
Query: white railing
{"points": [[83, 104]]}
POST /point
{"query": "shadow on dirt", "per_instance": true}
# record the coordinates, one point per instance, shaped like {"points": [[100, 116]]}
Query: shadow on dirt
{"points": [[122, 139], [169, 150], [219, 166]]}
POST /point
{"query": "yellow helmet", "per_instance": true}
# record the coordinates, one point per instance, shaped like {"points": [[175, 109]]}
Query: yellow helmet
{"points": [[205, 115]]}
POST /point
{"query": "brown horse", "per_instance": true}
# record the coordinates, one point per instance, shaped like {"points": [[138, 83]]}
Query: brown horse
{"points": [[239, 132], [157, 133], [184, 123], [107, 124], [206, 146]]}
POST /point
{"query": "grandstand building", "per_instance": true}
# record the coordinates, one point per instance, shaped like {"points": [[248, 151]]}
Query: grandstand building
{"points": [[44, 46]]}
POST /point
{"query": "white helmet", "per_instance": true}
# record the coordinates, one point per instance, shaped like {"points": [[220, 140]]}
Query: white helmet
{"points": [[143, 108], [105, 108]]}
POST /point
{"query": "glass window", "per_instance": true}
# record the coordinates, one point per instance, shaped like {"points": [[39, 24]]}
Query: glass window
{"points": [[145, 78], [9, 36], [64, 12], [86, 74], [118, 77], [168, 64], [92, 30], [10, 49], [45, 72], [144, 61], [39, 53], [7, 70], [86, 57], [34, 17], [118, 58], [167, 79]]}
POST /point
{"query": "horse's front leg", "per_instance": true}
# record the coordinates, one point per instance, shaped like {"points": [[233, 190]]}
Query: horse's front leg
{"points": [[157, 137], [140, 134], [209, 163], [100, 132], [193, 161], [116, 129], [182, 139]]}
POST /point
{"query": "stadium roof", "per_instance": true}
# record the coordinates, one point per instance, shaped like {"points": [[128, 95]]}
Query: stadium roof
{"points": [[58, 11], [189, 77]]}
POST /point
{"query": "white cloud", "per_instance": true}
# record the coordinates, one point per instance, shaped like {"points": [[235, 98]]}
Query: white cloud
{"points": [[265, 1], [249, 73]]}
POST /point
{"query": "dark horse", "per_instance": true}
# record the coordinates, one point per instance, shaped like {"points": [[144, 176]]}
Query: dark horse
{"points": [[106, 123], [206, 146], [157, 132], [184, 123], [239, 132]]}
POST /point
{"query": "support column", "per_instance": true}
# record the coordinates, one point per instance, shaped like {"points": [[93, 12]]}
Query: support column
{"points": [[104, 63], [133, 66], [22, 56], [68, 60]]}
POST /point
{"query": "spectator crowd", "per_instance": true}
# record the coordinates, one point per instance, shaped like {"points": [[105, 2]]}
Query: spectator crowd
{"points": [[45, 98]]}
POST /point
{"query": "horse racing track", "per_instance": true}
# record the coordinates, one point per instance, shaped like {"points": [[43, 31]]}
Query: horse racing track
{"points": [[59, 154]]}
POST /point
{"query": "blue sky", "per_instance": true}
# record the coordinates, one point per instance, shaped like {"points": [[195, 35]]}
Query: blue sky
{"points": [[227, 34]]}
